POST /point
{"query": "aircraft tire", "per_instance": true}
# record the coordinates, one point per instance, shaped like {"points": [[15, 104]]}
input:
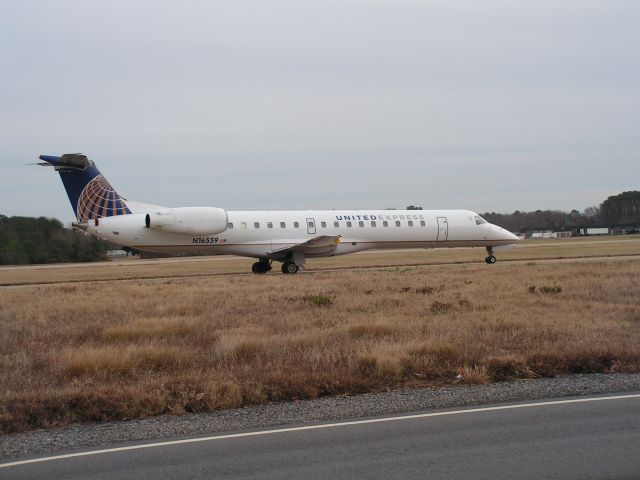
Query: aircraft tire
{"points": [[289, 268], [259, 268], [490, 260]]}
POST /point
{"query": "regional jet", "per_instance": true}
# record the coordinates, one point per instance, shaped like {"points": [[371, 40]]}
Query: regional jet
{"points": [[288, 237]]}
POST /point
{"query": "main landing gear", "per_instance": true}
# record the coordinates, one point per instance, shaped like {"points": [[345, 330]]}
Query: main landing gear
{"points": [[490, 258], [289, 268], [290, 264], [293, 263], [261, 266]]}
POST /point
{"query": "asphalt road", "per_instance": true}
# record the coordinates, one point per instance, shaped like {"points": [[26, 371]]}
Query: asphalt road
{"points": [[580, 437]]}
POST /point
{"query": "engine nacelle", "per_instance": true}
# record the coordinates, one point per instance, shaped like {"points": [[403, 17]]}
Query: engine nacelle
{"points": [[188, 220]]}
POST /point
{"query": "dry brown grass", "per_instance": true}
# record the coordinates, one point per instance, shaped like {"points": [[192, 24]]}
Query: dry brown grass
{"points": [[372, 330], [149, 328], [122, 360], [119, 350]]}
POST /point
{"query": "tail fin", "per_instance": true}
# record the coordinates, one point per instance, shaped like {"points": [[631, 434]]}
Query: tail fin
{"points": [[90, 194]]}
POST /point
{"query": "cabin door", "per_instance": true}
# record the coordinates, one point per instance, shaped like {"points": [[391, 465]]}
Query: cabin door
{"points": [[311, 226], [443, 229]]}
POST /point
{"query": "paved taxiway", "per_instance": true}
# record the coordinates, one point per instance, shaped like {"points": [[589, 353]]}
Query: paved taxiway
{"points": [[161, 277], [580, 437]]}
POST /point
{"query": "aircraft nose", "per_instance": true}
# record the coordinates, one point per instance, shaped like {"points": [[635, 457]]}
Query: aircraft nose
{"points": [[503, 234], [510, 236]]}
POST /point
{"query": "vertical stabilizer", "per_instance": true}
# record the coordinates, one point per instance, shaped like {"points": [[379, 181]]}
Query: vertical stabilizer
{"points": [[90, 194]]}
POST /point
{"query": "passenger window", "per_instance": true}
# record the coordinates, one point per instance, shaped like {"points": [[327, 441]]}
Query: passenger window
{"points": [[361, 224], [422, 224], [230, 225], [243, 225], [385, 223], [397, 223], [336, 224], [283, 225], [296, 225], [310, 224], [269, 225], [323, 224], [256, 224], [373, 223], [349, 224], [410, 223]]}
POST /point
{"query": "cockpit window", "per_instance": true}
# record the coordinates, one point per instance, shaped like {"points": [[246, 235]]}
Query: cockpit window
{"points": [[479, 220]]}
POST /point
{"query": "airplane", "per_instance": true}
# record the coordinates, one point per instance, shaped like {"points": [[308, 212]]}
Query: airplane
{"points": [[289, 237]]}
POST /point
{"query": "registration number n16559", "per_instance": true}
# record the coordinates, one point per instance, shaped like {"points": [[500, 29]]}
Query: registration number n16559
{"points": [[201, 240]]}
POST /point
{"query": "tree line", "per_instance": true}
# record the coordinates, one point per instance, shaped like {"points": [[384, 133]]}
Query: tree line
{"points": [[25, 240], [621, 209]]}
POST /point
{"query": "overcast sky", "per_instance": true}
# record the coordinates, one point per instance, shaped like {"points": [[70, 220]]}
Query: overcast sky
{"points": [[485, 105]]}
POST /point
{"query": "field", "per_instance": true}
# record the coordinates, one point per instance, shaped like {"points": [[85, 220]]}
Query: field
{"points": [[137, 338]]}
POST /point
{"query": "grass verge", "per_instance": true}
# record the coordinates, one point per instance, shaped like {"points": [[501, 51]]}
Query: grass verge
{"points": [[98, 352]]}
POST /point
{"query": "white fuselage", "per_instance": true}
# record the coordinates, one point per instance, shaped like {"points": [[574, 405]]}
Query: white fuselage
{"points": [[263, 234]]}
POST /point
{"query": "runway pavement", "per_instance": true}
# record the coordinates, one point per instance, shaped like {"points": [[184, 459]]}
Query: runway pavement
{"points": [[161, 277], [578, 437]]}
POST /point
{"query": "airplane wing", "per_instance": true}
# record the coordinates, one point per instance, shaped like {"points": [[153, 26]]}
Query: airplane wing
{"points": [[322, 244]]}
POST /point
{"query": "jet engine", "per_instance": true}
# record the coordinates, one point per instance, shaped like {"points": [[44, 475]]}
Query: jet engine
{"points": [[188, 220]]}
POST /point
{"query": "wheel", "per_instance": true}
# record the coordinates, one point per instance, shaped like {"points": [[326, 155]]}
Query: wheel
{"points": [[260, 267], [289, 268], [490, 259]]}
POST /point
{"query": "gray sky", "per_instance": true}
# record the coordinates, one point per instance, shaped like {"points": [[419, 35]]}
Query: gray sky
{"points": [[486, 105]]}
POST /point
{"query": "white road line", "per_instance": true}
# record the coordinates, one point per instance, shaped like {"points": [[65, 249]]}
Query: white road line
{"points": [[316, 427]]}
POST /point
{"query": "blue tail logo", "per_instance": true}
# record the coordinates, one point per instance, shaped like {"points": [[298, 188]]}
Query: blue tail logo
{"points": [[90, 194]]}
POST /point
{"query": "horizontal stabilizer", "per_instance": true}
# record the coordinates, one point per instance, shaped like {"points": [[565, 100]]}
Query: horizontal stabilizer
{"points": [[69, 160]]}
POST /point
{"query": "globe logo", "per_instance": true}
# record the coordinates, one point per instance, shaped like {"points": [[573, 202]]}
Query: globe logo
{"points": [[99, 199]]}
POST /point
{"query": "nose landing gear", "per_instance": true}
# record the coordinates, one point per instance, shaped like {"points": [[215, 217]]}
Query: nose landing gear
{"points": [[490, 259]]}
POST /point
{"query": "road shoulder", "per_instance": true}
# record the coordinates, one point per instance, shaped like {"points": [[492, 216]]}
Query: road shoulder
{"points": [[308, 411]]}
